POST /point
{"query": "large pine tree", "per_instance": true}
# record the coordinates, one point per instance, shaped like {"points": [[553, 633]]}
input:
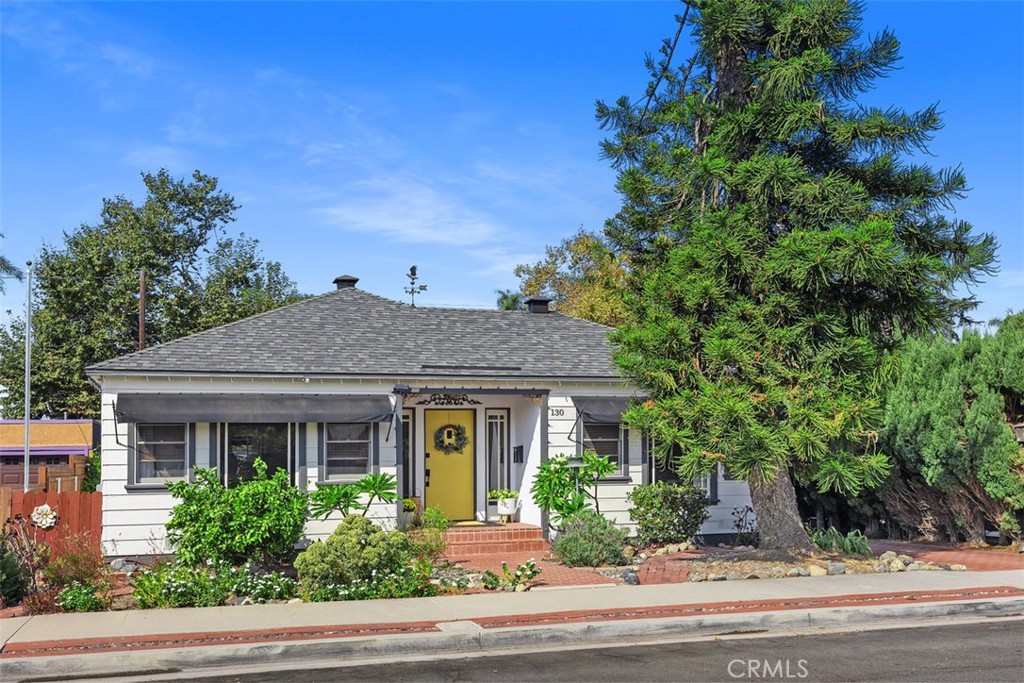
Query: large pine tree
{"points": [[783, 242]]}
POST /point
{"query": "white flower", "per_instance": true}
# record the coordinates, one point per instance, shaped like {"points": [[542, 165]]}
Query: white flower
{"points": [[44, 517]]}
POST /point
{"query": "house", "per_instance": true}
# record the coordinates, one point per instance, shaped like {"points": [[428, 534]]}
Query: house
{"points": [[452, 402], [56, 447]]}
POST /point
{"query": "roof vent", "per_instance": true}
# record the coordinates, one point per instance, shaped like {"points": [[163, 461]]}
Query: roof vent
{"points": [[346, 281], [538, 304]]}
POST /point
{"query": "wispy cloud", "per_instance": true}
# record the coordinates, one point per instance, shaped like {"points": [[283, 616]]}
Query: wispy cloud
{"points": [[409, 210], [59, 34], [152, 157]]}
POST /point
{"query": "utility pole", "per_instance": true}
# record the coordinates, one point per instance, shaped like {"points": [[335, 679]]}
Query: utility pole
{"points": [[28, 365], [142, 308]]}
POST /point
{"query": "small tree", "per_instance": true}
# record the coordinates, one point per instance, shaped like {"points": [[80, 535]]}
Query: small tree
{"points": [[562, 491]]}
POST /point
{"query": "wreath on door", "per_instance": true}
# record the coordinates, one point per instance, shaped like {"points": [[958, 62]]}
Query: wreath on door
{"points": [[450, 438]]}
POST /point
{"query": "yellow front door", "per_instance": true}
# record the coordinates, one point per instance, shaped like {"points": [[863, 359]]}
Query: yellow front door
{"points": [[448, 468]]}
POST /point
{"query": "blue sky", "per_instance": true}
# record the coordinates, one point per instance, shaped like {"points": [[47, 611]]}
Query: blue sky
{"points": [[366, 137]]}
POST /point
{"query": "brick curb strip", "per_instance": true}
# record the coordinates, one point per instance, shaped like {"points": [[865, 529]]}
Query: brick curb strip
{"points": [[473, 637]]}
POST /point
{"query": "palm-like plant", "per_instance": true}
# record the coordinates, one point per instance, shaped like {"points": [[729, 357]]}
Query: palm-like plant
{"points": [[8, 269]]}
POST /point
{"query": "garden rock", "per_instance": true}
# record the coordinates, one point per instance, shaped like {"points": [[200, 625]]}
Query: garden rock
{"points": [[957, 568], [695, 578], [881, 567], [628, 552], [732, 577], [672, 548], [630, 577], [802, 572], [815, 570], [915, 566], [897, 565], [661, 551], [905, 559], [836, 568], [716, 577], [752, 576], [793, 572], [887, 556]]}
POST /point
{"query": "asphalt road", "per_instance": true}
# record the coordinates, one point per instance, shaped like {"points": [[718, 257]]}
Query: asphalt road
{"points": [[958, 653]]}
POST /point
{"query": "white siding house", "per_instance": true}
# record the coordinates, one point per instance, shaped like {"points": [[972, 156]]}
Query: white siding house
{"points": [[453, 403]]}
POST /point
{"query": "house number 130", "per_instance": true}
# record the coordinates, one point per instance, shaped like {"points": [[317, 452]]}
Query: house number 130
{"points": [[557, 412]]}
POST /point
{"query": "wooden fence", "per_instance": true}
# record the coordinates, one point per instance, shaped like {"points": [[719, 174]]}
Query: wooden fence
{"points": [[77, 513]]}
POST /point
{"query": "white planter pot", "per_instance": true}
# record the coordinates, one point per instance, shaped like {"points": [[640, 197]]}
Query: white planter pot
{"points": [[508, 506]]}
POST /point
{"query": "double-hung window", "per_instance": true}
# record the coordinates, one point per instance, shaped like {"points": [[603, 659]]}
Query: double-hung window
{"points": [[605, 439], [347, 450], [161, 453]]}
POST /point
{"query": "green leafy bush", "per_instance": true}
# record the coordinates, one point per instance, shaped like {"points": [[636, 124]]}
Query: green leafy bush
{"points": [[590, 540], [78, 597], [14, 576], [411, 581], [518, 580], [502, 494], [564, 491], [180, 585], [667, 513], [92, 471], [831, 540], [259, 520], [429, 541], [358, 550]]}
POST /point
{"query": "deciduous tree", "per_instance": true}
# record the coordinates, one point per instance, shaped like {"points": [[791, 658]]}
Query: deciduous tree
{"points": [[86, 296], [582, 276]]}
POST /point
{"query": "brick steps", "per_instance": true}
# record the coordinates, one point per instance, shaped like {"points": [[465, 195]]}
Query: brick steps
{"points": [[474, 541]]}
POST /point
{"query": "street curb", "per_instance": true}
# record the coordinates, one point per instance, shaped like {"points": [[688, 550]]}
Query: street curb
{"points": [[464, 638]]}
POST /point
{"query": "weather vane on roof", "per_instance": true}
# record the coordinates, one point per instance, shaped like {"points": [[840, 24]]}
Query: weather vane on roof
{"points": [[413, 289]]}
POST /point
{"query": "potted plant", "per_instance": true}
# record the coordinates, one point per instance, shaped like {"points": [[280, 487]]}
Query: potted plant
{"points": [[410, 513], [507, 499]]}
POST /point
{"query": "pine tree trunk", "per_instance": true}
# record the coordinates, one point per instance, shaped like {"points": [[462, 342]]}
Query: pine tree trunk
{"points": [[778, 518]]}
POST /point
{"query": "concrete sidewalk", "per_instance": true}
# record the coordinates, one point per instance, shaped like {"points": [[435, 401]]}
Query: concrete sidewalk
{"points": [[107, 642]]}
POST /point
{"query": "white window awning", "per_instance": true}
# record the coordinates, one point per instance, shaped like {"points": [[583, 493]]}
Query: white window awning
{"points": [[252, 408]]}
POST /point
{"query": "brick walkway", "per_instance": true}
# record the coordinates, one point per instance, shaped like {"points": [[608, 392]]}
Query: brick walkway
{"points": [[975, 559], [552, 574], [667, 568]]}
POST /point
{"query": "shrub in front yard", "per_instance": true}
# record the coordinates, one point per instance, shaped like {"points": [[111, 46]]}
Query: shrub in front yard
{"points": [[667, 513], [180, 585], [14, 577], [831, 540], [588, 539], [79, 597], [410, 581], [75, 559], [259, 520], [428, 540], [358, 550]]}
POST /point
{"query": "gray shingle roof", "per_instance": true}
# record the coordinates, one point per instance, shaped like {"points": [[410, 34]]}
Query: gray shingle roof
{"points": [[351, 332]]}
